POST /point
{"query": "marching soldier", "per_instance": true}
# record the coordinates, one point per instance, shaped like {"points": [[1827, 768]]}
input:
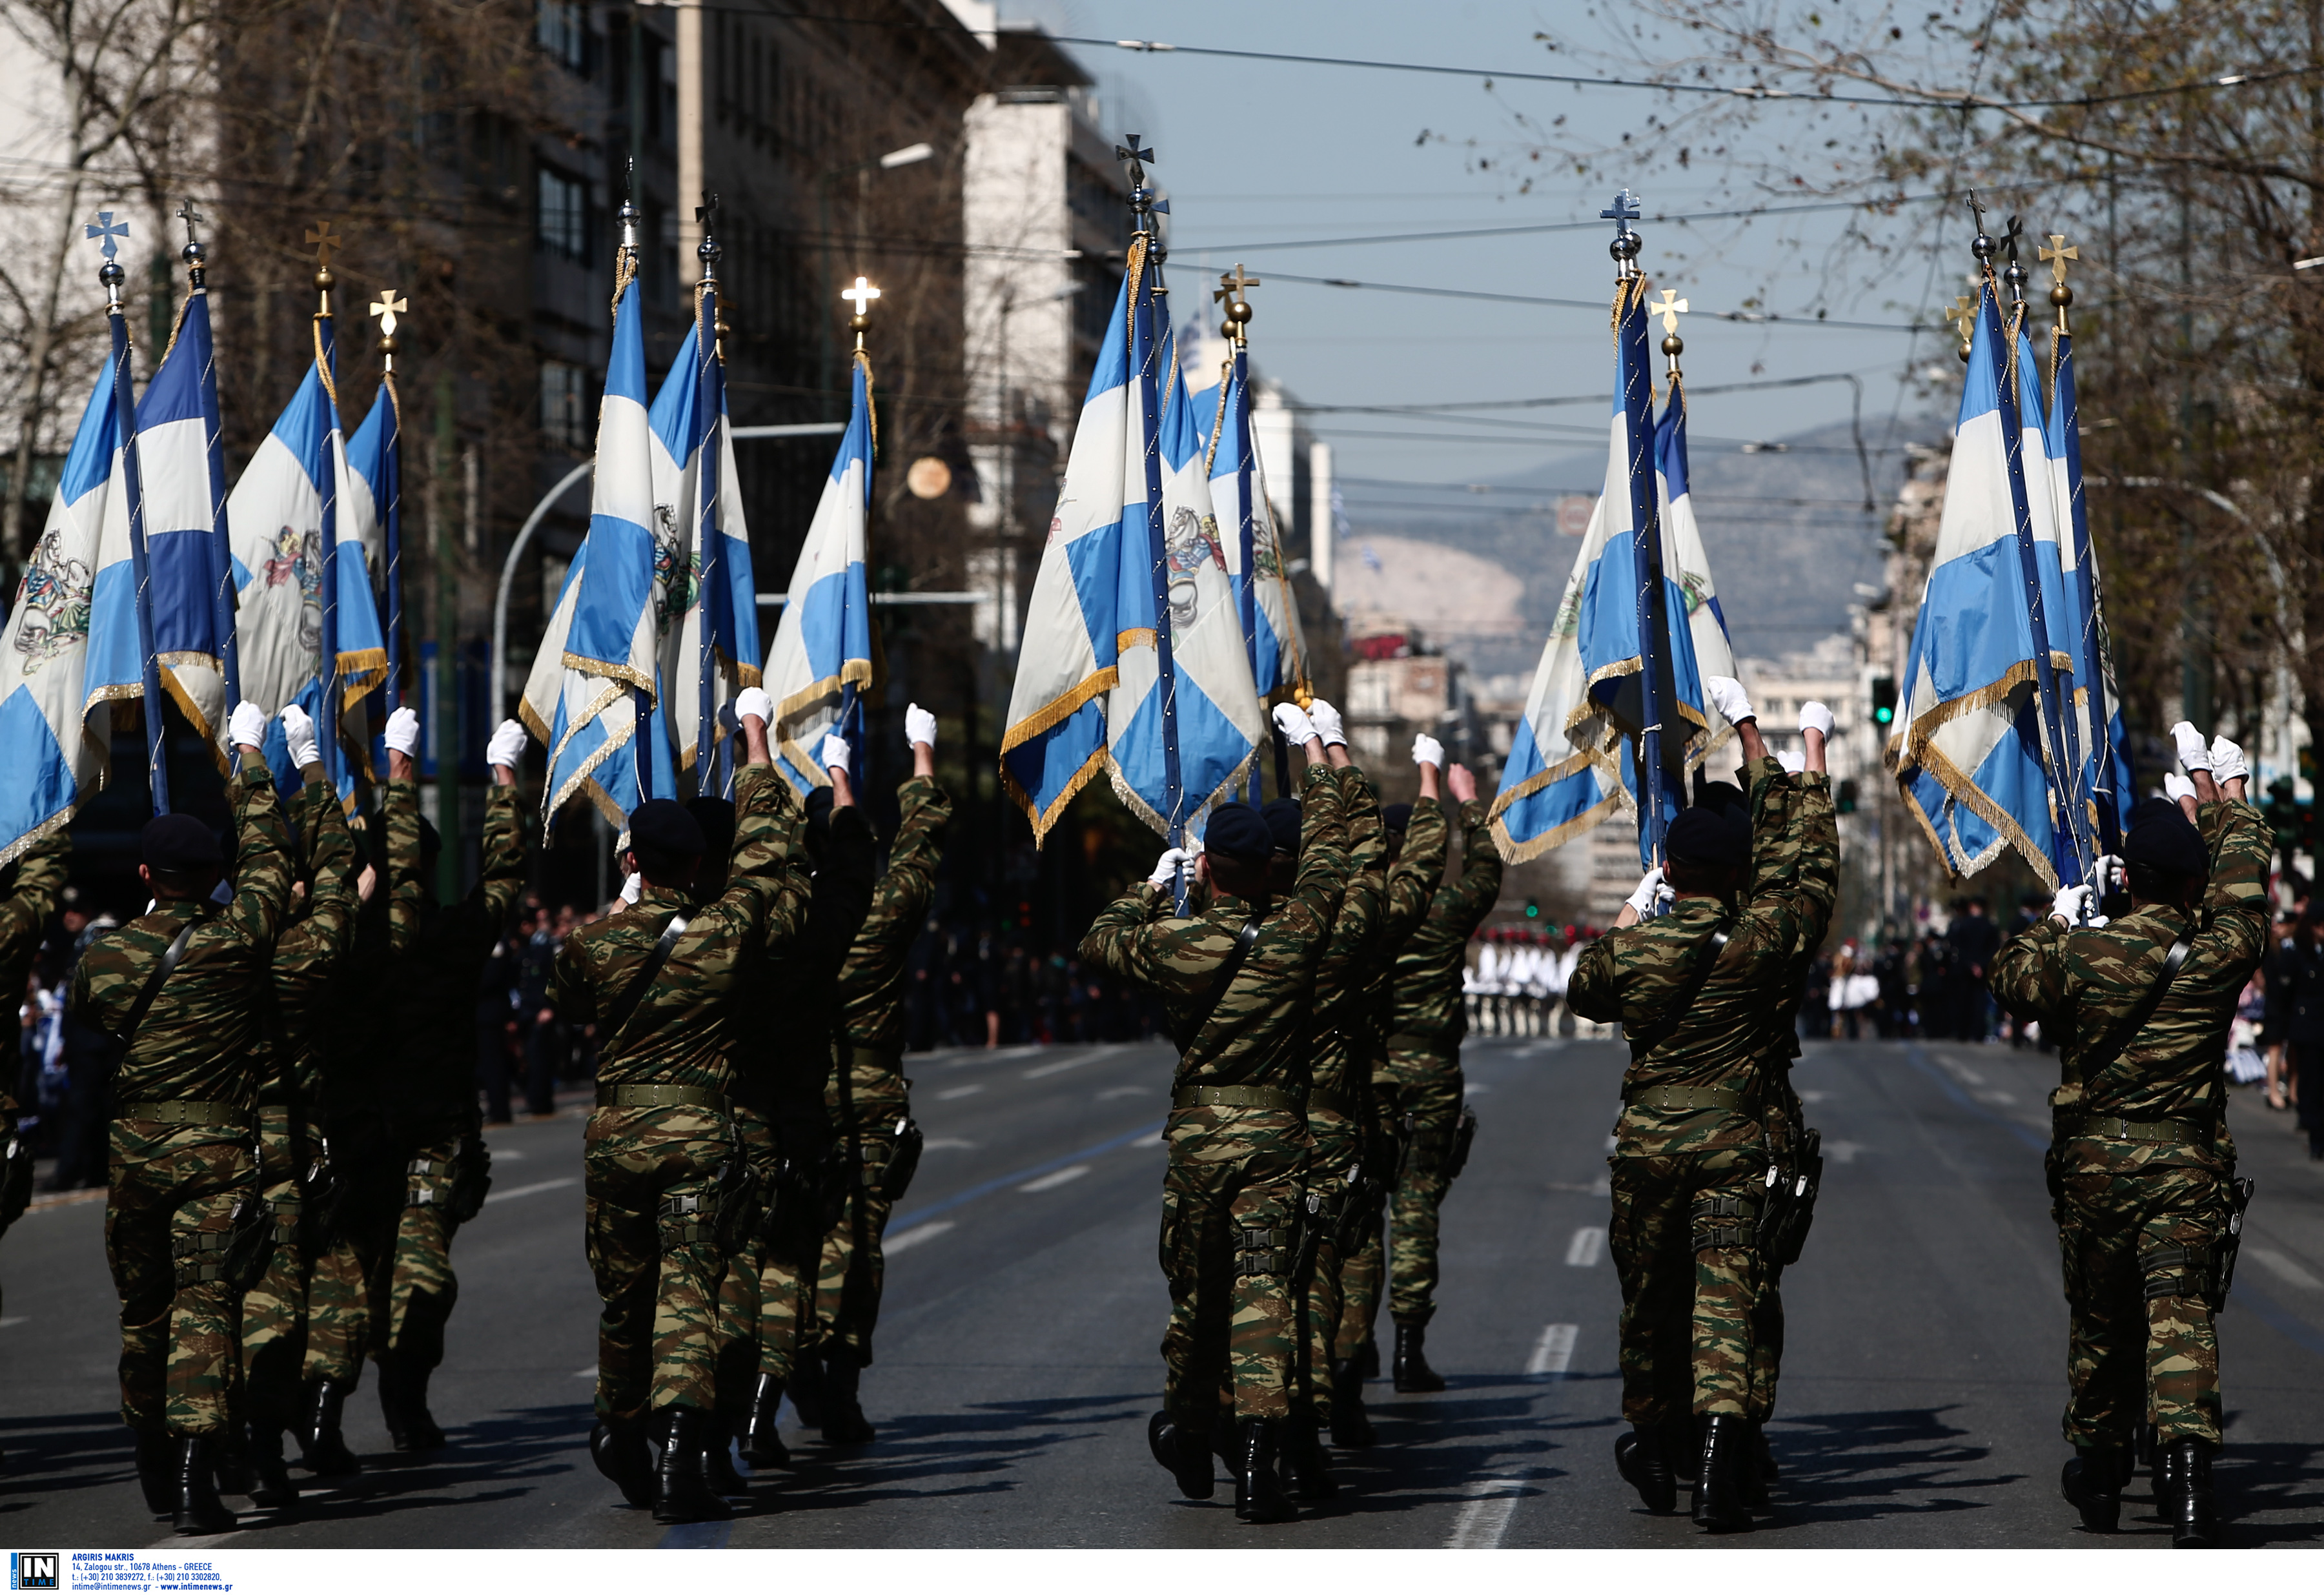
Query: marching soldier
{"points": [[1235, 981], [2141, 1166], [1421, 1081], [180, 989], [668, 1187], [1692, 990], [35, 885]]}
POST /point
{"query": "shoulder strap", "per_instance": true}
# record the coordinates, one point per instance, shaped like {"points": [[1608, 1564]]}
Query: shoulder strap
{"points": [[619, 1016], [2136, 1019], [1713, 946], [153, 988], [1228, 967]]}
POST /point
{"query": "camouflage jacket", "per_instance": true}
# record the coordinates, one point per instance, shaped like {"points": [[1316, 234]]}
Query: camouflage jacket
{"points": [[789, 1014], [1796, 816], [1636, 975], [1428, 969], [2082, 983], [1340, 998], [430, 981], [318, 932], [36, 881], [199, 1040], [1254, 1035], [872, 982], [683, 1030]]}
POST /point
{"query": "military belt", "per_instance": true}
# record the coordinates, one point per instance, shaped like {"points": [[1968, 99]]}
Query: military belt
{"points": [[876, 1057], [662, 1096], [1689, 1099], [2177, 1132], [1331, 1102], [1233, 1096], [217, 1115]]}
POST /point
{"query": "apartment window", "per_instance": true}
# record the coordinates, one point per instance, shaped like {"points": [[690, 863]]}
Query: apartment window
{"points": [[564, 406], [563, 31], [564, 215]]}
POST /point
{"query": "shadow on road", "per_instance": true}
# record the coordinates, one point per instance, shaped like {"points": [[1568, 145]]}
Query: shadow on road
{"points": [[1842, 1467]]}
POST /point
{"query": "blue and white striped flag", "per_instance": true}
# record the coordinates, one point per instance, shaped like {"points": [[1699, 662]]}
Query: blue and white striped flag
{"points": [[821, 661], [2106, 781], [1264, 606]]}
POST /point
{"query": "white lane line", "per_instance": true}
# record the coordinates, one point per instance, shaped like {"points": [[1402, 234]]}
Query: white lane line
{"points": [[1112, 1092], [1061, 1066], [11, 1321], [949, 1143], [1553, 1352], [2267, 1256], [958, 1092], [1149, 1140], [1844, 1151], [1475, 1088], [1583, 1250], [589, 1372], [1050, 1182], [2002, 1099], [892, 1244], [1486, 1519], [1813, 1097], [515, 1191], [502, 1155], [1611, 1143]]}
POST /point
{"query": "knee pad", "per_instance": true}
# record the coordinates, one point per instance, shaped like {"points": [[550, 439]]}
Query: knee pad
{"points": [[1722, 1222], [2178, 1271]]}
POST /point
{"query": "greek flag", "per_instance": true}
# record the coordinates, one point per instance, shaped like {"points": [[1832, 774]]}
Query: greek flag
{"points": [[822, 660], [1264, 606], [1968, 750], [2106, 771], [54, 762]]}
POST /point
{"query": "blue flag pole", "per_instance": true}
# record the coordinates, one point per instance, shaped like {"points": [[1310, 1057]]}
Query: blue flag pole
{"points": [[1645, 518], [2090, 652], [197, 324], [327, 728], [392, 486], [707, 533], [124, 409]]}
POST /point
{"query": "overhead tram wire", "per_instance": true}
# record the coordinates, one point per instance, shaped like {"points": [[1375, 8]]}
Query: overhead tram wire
{"points": [[1748, 317]]}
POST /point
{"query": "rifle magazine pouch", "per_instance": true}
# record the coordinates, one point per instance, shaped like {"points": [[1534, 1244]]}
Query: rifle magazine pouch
{"points": [[737, 1195], [1464, 1136], [472, 1180], [249, 1244], [903, 1160]]}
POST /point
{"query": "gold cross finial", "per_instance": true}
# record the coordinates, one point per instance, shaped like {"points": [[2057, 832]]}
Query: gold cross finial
{"points": [[387, 306], [2056, 253], [860, 295], [1670, 307], [324, 241], [1232, 283], [1962, 313]]}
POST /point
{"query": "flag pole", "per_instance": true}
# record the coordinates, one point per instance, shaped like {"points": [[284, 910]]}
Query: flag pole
{"points": [[2090, 655], [388, 306], [327, 366], [1645, 518], [851, 696], [706, 477], [109, 232], [195, 254], [625, 273], [1232, 289]]}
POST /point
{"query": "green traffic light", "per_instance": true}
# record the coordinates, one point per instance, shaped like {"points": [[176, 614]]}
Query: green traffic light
{"points": [[1884, 715]]}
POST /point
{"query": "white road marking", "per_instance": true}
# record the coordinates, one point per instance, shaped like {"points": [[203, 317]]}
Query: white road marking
{"points": [[1050, 1182], [1611, 1143], [589, 1372], [1815, 1096], [1584, 1250], [1486, 1519], [502, 1155], [1112, 1092], [516, 1190], [893, 1244], [1844, 1151], [2267, 1258], [1473, 1088], [1603, 1186], [2000, 1097], [1962, 1072], [1553, 1352], [1149, 1140], [958, 1092], [949, 1143], [11, 1321], [1061, 1066]]}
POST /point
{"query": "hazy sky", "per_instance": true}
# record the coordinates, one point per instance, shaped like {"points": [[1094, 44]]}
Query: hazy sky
{"points": [[1259, 155]]}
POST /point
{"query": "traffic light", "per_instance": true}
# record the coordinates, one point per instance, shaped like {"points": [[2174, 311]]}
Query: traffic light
{"points": [[1846, 799], [1883, 700], [1532, 909]]}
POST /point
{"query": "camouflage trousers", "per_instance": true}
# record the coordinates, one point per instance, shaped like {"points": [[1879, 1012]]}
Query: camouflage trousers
{"points": [[1690, 1281], [1330, 1195], [1230, 1228], [867, 1098], [766, 1300], [1768, 1307], [2141, 1347], [659, 1275], [338, 1315], [174, 1195], [1421, 1082], [413, 1286], [274, 1310]]}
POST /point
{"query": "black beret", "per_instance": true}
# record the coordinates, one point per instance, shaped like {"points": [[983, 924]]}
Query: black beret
{"points": [[1703, 835], [1239, 831], [182, 843], [715, 815], [1396, 817], [1283, 820], [661, 826], [1722, 797], [2161, 837]]}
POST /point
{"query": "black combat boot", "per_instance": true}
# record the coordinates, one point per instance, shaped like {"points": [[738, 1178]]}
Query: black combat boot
{"points": [[842, 1416], [2092, 1485], [619, 1449], [270, 1476], [806, 1386], [1683, 1443], [1259, 1491], [2193, 1523], [1752, 1477], [1367, 1359], [1351, 1427], [681, 1494], [1763, 1458], [157, 1471], [231, 1463], [718, 1469], [1642, 1457], [1718, 1481], [199, 1510], [1187, 1459], [323, 1448], [1305, 1461], [1413, 1374], [762, 1442]]}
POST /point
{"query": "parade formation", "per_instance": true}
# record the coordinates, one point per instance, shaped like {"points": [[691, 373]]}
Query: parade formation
{"points": [[296, 1139]]}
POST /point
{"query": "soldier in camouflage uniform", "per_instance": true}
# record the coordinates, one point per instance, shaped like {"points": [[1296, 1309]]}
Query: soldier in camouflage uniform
{"points": [[1693, 990], [869, 1098], [2141, 1167], [1236, 1134], [35, 884], [667, 1182], [433, 1120], [1421, 1082], [183, 1177]]}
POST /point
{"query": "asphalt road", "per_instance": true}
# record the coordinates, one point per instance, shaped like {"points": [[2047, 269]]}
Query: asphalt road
{"points": [[1016, 1362]]}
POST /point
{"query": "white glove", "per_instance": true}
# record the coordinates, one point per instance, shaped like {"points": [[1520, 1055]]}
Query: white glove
{"points": [[1427, 750], [2227, 760], [1726, 695], [507, 746], [1327, 720], [633, 889], [2071, 904], [752, 703], [2194, 753], [834, 753], [403, 731], [1814, 716], [2112, 877], [1792, 761], [299, 733], [2176, 787], [1651, 892], [1292, 721], [1167, 867], [919, 725], [247, 725]]}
